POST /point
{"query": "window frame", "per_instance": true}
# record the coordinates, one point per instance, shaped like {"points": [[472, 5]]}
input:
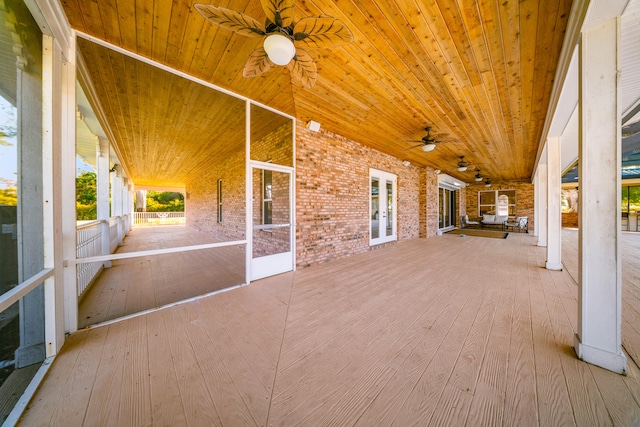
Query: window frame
{"points": [[219, 185], [512, 208]]}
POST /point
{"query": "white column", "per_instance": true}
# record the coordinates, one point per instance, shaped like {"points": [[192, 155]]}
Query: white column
{"points": [[102, 190], [598, 340], [116, 200], [541, 221], [66, 164], [536, 202], [554, 205]]}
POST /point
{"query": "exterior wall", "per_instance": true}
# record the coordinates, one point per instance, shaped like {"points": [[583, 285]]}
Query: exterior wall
{"points": [[332, 201], [524, 197], [276, 148], [570, 219], [431, 202], [461, 204], [332, 196], [201, 204]]}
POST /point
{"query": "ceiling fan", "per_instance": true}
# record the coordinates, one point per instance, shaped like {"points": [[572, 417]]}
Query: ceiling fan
{"points": [[428, 143], [283, 39], [462, 165]]}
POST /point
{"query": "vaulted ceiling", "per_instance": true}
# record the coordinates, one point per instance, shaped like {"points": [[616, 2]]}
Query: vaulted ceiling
{"points": [[479, 72]]}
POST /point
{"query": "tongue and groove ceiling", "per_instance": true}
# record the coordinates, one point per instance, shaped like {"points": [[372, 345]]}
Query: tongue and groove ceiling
{"points": [[480, 72]]}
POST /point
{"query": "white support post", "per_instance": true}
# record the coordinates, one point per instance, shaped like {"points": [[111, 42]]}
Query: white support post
{"points": [[599, 337], [103, 207], [541, 221], [536, 202], [554, 205], [51, 206], [116, 201], [68, 183]]}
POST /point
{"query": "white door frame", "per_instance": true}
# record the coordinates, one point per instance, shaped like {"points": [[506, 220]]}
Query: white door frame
{"points": [[272, 264], [382, 191], [452, 189]]}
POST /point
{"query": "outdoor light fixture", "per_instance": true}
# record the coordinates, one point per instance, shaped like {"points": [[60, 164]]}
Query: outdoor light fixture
{"points": [[313, 126], [428, 147], [279, 48]]}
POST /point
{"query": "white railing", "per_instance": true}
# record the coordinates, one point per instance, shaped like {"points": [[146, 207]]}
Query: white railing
{"points": [[114, 233], [89, 243], [157, 218]]}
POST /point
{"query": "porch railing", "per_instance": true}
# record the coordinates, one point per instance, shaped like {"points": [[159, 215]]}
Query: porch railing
{"points": [[90, 243], [157, 218]]}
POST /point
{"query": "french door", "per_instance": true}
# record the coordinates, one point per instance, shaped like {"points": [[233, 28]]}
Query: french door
{"points": [[271, 211], [446, 208], [382, 214]]}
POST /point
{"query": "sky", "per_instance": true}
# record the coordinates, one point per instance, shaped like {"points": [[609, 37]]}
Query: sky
{"points": [[8, 145]]}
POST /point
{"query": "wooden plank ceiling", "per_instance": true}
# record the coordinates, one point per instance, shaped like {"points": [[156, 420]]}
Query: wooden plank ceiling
{"points": [[480, 72]]}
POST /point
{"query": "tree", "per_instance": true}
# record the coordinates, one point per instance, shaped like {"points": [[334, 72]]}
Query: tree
{"points": [[165, 201], [9, 196], [86, 196], [86, 188]]}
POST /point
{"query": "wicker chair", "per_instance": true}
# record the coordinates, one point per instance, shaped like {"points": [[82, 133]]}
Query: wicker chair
{"points": [[465, 222], [520, 223]]}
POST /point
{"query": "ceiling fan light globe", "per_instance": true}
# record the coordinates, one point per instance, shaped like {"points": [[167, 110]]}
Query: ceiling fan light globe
{"points": [[462, 168], [478, 178], [280, 49], [428, 147]]}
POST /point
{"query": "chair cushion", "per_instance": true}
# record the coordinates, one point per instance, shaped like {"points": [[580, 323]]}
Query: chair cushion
{"points": [[488, 218], [501, 218]]}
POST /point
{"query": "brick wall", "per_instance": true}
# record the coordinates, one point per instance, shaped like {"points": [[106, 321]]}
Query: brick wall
{"points": [[431, 205], [201, 204], [332, 196], [524, 197], [276, 148], [570, 219]]}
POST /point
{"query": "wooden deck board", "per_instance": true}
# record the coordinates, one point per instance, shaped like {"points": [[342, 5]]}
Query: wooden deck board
{"points": [[137, 284], [443, 331], [488, 401], [166, 405]]}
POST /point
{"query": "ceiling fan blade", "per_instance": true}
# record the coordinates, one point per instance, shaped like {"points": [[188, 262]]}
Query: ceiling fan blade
{"points": [[303, 68], [257, 64], [280, 12], [415, 146], [321, 31], [231, 20]]}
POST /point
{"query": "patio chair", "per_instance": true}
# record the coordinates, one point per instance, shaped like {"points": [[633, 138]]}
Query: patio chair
{"points": [[519, 223], [465, 222]]}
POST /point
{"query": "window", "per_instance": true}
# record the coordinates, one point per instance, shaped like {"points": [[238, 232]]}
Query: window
{"points": [[267, 206], [497, 202], [22, 210], [219, 201]]}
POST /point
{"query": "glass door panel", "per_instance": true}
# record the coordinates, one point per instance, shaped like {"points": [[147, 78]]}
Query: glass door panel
{"points": [[383, 221], [446, 208], [271, 223], [442, 208], [390, 212], [375, 208]]}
